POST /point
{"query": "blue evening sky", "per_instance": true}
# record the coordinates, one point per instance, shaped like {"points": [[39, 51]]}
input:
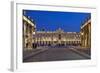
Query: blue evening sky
{"points": [[52, 20]]}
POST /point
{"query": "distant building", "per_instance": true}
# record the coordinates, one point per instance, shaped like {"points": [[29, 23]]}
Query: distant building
{"points": [[28, 31], [58, 37], [86, 34]]}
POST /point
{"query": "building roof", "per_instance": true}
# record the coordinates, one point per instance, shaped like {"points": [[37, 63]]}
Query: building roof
{"points": [[28, 20]]}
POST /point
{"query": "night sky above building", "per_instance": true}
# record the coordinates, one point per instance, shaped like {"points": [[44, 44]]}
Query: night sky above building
{"points": [[52, 20]]}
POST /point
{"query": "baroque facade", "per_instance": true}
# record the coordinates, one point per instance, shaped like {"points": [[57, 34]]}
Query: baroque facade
{"points": [[86, 34], [28, 31], [58, 37]]}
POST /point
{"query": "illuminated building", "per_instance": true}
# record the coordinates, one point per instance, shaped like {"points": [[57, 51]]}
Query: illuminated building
{"points": [[86, 34], [28, 31], [58, 37]]}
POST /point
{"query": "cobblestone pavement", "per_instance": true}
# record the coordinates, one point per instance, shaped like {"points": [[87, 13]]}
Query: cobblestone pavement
{"points": [[56, 54]]}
